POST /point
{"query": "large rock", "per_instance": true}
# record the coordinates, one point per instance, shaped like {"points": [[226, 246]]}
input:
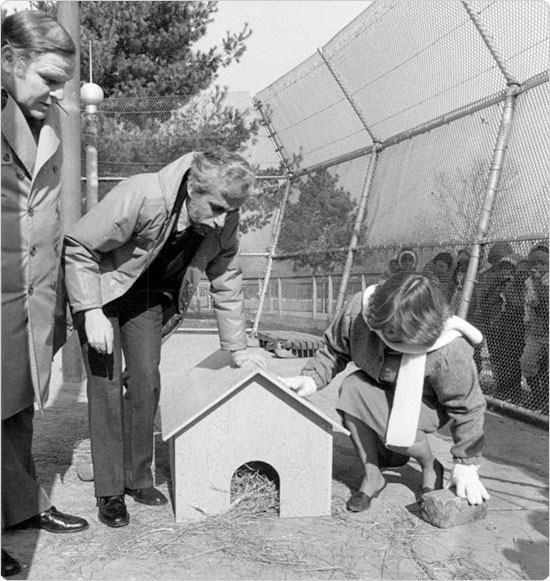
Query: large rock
{"points": [[443, 509]]}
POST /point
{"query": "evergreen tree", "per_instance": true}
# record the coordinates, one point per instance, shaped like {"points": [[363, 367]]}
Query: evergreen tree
{"points": [[317, 225], [146, 49]]}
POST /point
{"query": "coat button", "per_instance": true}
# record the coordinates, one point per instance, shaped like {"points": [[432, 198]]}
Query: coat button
{"points": [[31, 212], [54, 169], [20, 173], [31, 291], [33, 251], [6, 157], [53, 285]]}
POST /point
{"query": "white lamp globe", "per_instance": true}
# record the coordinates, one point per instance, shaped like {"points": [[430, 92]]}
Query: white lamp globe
{"points": [[91, 93]]}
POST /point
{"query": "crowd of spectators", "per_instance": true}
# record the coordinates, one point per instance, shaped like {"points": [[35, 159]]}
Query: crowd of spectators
{"points": [[509, 305]]}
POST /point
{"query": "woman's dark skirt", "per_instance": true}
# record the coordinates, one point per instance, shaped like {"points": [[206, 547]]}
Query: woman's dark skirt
{"points": [[371, 403]]}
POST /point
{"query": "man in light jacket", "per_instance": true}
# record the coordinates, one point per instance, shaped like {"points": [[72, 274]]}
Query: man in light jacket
{"points": [[132, 264]]}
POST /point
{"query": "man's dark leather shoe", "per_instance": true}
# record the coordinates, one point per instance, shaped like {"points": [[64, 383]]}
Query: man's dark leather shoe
{"points": [[112, 511], [10, 566], [151, 496], [54, 521]]}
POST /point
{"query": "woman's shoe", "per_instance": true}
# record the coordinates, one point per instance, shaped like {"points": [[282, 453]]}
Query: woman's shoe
{"points": [[439, 474], [359, 501]]}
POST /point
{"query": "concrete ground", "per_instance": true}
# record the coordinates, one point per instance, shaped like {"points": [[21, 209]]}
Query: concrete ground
{"points": [[510, 543]]}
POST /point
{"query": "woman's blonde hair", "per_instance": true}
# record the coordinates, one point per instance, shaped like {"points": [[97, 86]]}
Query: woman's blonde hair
{"points": [[409, 306]]}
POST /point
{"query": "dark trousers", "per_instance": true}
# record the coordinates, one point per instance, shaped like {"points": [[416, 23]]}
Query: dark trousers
{"points": [[22, 496], [121, 417]]}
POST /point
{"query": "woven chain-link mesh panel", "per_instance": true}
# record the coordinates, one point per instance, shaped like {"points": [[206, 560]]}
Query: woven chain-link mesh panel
{"points": [[520, 31], [312, 117], [141, 135], [413, 82], [521, 205], [431, 188], [426, 82]]}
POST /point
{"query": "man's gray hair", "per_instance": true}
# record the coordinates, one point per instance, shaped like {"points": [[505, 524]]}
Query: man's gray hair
{"points": [[225, 172]]}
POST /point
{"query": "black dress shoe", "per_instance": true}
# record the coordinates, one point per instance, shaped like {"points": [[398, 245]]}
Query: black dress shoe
{"points": [[112, 511], [439, 474], [54, 521], [151, 496], [359, 501], [10, 566]]}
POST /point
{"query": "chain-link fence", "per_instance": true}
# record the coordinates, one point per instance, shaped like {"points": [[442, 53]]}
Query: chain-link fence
{"points": [[417, 138], [432, 117]]}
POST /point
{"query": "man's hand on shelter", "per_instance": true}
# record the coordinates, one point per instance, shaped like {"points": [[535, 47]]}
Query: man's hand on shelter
{"points": [[303, 385], [247, 357], [99, 331]]}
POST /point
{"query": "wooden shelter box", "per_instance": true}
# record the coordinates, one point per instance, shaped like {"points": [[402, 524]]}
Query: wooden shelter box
{"points": [[217, 418]]}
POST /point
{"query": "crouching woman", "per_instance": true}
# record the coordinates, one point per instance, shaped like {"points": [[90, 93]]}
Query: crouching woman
{"points": [[415, 374]]}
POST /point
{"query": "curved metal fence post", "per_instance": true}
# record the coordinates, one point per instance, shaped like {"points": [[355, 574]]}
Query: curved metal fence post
{"points": [[495, 172], [271, 257], [352, 249], [279, 219], [68, 15], [490, 43], [497, 162]]}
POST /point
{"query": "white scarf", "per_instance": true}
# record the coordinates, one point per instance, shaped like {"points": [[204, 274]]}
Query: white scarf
{"points": [[405, 412]]}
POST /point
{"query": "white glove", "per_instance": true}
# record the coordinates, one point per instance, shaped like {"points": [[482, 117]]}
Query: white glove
{"points": [[247, 357], [303, 385], [466, 480]]}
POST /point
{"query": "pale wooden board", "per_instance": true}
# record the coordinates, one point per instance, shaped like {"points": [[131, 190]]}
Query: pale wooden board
{"points": [[213, 379], [184, 398]]}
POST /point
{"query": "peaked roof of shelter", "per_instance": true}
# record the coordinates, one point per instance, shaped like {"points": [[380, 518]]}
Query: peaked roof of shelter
{"points": [[205, 386]]}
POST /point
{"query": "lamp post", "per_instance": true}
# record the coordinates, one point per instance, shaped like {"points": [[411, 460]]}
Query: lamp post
{"points": [[68, 15], [91, 95]]}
